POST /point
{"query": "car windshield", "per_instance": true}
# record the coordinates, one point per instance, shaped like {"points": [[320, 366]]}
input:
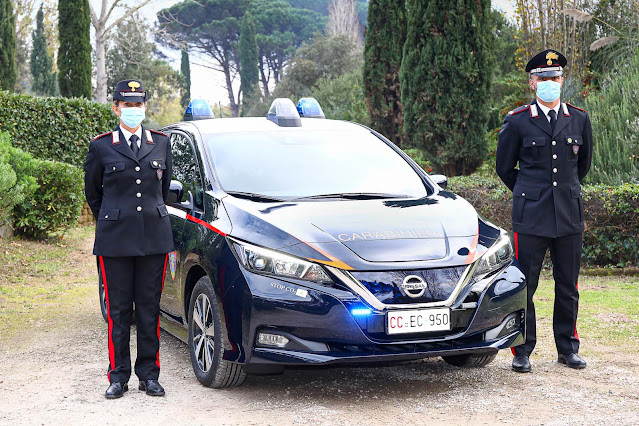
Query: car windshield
{"points": [[319, 163]]}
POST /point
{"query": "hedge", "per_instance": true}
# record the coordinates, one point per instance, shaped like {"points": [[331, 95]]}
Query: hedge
{"points": [[54, 128], [611, 238]]}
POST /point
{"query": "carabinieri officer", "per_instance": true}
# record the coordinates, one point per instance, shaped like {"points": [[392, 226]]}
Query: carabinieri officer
{"points": [[127, 177], [552, 143]]}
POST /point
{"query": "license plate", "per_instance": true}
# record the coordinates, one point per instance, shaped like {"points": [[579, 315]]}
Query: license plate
{"points": [[418, 321]]}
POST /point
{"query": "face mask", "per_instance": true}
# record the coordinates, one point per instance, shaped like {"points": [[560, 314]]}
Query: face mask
{"points": [[548, 91], [133, 116]]}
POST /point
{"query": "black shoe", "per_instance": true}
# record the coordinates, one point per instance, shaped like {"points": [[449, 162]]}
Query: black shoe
{"points": [[152, 387], [116, 390], [571, 360], [521, 364]]}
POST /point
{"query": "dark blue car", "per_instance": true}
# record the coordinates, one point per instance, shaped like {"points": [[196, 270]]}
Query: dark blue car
{"points": [[306, 241]]}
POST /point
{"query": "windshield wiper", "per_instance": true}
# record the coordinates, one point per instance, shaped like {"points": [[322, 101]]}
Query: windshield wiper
{"points": [[354, 196], [253, 196]]}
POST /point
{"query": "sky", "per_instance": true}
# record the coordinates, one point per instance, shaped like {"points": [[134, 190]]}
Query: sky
{"points": [[206, 83]]}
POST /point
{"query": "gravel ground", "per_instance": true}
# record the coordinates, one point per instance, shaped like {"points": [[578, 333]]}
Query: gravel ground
{"points": [[53, 371]]}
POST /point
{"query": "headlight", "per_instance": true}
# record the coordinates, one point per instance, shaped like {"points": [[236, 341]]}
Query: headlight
{"points": [[270, 262], [499, 255]]}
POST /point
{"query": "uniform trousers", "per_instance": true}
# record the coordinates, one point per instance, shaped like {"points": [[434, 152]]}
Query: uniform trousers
{"points": [[129, 280], [565, 253]]}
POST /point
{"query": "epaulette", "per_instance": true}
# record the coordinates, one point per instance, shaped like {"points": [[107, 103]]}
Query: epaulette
{"points": [[160, 133], [520, 109], [103, 134], [582, 110]]}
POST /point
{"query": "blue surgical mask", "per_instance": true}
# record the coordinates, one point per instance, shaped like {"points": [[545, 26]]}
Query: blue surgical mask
{"points": [[548, 91], [133, 116]]}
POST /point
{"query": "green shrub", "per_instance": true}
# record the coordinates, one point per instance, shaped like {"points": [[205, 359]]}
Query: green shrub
{"points": [[611, 237], [16, 180], [342, 98], [54, 128], [56, 205]]}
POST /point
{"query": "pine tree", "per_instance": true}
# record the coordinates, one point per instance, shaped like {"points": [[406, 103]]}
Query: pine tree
{"points": [[41, 63], [185, 67], [74, 53], [249, 73], [385, 39], [445, 79], [8, 68]]}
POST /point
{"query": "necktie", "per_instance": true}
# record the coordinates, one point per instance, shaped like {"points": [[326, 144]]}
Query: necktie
{"points": [[553, 119], [134, 145]]}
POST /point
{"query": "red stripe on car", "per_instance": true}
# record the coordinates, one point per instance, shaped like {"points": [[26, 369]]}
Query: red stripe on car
{"points": [[205, 224]]}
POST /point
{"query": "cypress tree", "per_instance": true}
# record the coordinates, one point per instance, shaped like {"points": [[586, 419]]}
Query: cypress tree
{"points": [[41, 63], [74, 53], [185, 67], [385, 39], [249, 73], [445, 81], [8, 69]]}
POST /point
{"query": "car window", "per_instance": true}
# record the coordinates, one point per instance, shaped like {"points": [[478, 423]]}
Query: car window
{"points": [[302, 163], [185, 167]]}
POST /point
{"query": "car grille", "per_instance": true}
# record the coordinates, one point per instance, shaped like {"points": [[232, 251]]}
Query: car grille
{"points": [[389, 287]]}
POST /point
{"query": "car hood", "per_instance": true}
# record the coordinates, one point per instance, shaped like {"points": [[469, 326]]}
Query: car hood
{"points": [[356, 234]]}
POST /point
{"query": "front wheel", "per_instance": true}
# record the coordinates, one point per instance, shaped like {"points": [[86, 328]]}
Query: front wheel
{"points": [[470, 360], [207, 342], [102, 295]]}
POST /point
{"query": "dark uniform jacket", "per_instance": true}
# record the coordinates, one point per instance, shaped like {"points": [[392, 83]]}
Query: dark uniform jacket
{"points": [[546, 188], [126, 195]]}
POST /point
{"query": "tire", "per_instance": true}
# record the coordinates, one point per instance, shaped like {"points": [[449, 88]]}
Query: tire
{"points": [[207, 350], [470, 360], [103, 306]]}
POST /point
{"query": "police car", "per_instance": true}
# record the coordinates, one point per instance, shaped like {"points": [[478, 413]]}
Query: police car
{"points": [[306, 241]]}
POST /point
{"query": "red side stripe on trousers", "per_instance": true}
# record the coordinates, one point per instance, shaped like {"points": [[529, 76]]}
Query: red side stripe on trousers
{"points": [[516, 257], [576, 335], [110, 321], [157, 356]]}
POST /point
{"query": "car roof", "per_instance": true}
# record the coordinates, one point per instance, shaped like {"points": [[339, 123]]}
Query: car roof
{"points": [[262, 124]]}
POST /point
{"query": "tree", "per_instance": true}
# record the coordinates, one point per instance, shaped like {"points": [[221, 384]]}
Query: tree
{"points": [[7, 45], [343, 20], [385, 39], [249, 75], [210, 27], [185, 68], [102, 31], [445, 78], [74, 54], [24, 20], [41, 64]]}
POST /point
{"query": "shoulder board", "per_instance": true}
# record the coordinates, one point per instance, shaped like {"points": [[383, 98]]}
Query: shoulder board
{"points": [[103, 134], [159, 133], [582, 110], [520, 109]]}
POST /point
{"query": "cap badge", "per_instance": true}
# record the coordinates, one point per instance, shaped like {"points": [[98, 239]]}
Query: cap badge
{"points": [[134, 84], [550, 56]]}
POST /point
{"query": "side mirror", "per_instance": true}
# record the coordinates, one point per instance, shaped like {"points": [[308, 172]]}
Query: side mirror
{"points": [[440, 180], [176, 192]]}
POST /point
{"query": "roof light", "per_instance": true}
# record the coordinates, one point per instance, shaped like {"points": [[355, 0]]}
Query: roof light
{"points": [[310, 108], [283, 113], [198, 109]]}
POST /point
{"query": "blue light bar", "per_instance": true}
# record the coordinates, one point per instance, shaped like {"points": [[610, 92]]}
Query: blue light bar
{"points": [[360, 311], [309, 108], [283, 113], [198, 109]]}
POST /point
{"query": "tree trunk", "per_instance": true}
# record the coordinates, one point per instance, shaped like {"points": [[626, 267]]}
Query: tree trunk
{"points": [[100, 64], [267, 93], [235, 107]]}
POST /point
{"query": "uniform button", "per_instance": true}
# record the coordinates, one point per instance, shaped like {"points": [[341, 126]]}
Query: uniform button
{"points": [[113, 167], [554, 156], [554, 170], [137, 168], [523, 194], [138, 195], [569, 140], [106, 216], [553, 184], [534, 143], [155, 163], [138, 181], [554, 142], [139, 208]]}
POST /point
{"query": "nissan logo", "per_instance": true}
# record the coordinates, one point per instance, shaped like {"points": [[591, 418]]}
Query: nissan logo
{"points": [[413, 286]]}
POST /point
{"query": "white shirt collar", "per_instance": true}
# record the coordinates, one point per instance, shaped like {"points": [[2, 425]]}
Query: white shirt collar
{"points": [[127, 135], [545, 109]]}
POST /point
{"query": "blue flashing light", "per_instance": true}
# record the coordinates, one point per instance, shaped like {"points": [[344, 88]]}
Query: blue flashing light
{"points": [[360, 311], [198, 109], [309, 108]]}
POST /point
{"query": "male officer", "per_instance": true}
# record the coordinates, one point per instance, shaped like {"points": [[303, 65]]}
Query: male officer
{"points": [[552, 142], [127, 177]]}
